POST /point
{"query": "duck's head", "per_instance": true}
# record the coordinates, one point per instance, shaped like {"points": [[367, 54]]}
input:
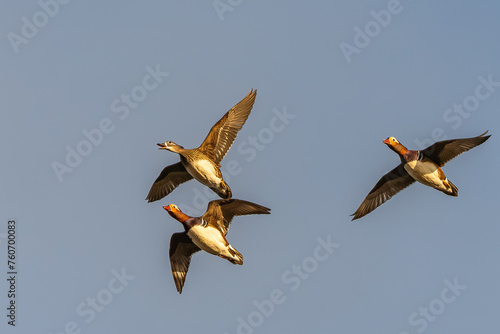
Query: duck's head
{"points": [[175, 212], [169, 145], [391, 141], [395, 145]]}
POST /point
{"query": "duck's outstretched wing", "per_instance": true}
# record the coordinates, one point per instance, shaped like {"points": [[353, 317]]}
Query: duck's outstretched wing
{"points": [[170, 177], [443, 151], [220, 212], [222, 135], [389, 185], [181, 249]]}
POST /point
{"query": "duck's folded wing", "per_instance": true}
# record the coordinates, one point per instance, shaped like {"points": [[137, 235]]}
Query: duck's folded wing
{"points": [[443, 151], [389, 185], [181, 249], [222, 135], [170, 177], [221, 212]]}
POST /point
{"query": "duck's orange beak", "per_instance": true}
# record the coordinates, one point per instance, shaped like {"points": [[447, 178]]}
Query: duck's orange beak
{"points": [[386, 141], [168, 208]]}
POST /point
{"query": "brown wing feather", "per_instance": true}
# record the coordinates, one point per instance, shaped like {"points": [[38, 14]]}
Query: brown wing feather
{"points": [[220, 213], [181, 249], [443, 151], [389, 185], [170, 177], [222, 135]]}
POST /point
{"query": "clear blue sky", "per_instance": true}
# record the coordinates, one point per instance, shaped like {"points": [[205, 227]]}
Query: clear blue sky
{"points": [[110, 80]]}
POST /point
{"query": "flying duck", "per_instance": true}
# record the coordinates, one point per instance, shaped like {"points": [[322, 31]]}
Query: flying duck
{"points": [[423, 166], [207, 233], [203, 163]]}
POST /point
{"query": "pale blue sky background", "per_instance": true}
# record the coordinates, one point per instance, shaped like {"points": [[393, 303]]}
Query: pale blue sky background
{"points": [[313, 174]]}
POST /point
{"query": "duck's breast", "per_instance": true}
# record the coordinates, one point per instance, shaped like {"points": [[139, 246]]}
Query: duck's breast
{"points": [[205, 171], [426, 172], [208, 239]]}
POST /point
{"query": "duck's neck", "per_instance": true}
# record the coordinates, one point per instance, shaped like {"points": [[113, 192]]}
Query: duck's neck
{"points": [[179, 215], [176, 149], [399, 148]]}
